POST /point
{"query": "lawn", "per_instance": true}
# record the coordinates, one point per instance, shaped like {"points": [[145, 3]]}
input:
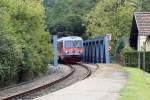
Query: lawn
{"points": [[138, 85]]}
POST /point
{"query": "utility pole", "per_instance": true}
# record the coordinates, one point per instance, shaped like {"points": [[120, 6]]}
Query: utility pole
{"points": [[144, 62], [139, 54]]}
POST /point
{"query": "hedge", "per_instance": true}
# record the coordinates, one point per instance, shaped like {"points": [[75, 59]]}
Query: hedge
{"points": [[131, 59]]}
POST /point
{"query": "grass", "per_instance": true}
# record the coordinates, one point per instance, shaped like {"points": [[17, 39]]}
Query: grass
{"points": [[138, 85]]}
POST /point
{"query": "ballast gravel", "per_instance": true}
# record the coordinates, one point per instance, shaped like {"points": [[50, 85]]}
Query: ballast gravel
{"points": [[52, 75], [79, 74]]}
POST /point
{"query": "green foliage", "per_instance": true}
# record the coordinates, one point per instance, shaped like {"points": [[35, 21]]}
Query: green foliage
{"points": [[110, 16], [24, 44], [65, 16], [9, 59], [113, 17], [71, 25], [146, 5], [131, 59], [140, 5], [123, 46], [120, 45]]}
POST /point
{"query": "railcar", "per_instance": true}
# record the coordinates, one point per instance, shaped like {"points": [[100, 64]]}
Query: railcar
{"points": [[70, 49]]}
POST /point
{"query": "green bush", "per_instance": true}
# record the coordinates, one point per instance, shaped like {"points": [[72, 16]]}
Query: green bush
{"points": [[131, 59], [9, 59], [25, 48]]}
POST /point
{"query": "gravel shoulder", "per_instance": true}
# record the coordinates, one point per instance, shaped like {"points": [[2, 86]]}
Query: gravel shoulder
{"points": [[50, 77]]}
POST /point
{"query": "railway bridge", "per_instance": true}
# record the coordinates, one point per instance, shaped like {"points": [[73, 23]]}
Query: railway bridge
{"points": [[95, 50]]}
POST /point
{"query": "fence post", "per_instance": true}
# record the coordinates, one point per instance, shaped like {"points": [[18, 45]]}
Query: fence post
{"points": [[144, 62]]}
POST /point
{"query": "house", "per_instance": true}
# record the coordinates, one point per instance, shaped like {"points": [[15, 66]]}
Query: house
{"points": [[140, 31]]}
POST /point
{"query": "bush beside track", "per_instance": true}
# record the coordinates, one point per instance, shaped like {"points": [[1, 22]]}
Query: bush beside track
{"points": [[25, 50]]}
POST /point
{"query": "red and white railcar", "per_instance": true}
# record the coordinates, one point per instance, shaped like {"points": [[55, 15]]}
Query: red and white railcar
{"points": [[70, 49]]}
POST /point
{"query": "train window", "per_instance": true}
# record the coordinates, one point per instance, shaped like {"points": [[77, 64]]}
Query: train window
{"points": [[73, 44]]}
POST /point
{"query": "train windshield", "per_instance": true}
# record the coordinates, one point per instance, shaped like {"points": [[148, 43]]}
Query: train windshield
{"points": [[73, 44]]}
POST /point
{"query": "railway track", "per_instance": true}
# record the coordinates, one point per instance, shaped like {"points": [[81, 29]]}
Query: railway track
{"points": [[89, 72], [30, 93]]}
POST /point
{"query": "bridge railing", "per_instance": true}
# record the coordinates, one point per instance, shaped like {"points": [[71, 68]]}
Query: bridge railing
{"points": [[96, 50]]}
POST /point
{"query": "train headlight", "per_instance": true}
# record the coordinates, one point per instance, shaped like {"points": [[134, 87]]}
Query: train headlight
{"points": [[66, 52], [80, 51]]}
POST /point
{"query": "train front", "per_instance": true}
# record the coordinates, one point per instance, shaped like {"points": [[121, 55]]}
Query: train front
{"points": [[73, 50]]}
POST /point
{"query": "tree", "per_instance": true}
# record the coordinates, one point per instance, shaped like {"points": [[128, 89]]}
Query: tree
{"points": [[146, 5], [65, 16], [110, 16], [25, 48]]}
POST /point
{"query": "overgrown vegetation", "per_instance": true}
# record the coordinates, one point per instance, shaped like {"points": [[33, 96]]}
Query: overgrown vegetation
{"points": [[64, 17], [138, 85], [24, 46], [113, 17], [110, 17], [131, 59], [92, 18]]}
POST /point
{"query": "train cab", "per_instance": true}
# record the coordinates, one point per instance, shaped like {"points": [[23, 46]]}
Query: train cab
{"points": [[70, 49]]}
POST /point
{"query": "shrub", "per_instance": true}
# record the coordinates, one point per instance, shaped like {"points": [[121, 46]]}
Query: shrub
{"points": [[131, 59], [25, 48], [9, 59]]}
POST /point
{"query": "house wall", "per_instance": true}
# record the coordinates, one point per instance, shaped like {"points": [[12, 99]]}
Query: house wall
{"points": [[141, 43], [148, 44]]}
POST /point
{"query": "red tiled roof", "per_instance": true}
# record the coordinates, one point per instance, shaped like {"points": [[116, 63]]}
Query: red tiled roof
{"points": [[143, 22]]}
